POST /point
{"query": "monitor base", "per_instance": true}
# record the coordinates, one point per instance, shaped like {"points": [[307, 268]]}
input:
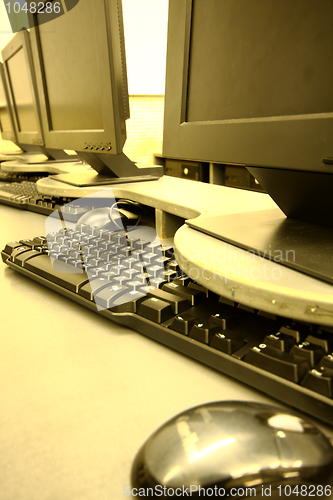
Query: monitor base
{"points": [[92, 178], [118, 167], [48, 167]]}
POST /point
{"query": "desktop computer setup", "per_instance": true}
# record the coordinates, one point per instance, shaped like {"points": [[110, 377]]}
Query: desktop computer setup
{"points": [[21, 123], [21, 107], [218, 274]]}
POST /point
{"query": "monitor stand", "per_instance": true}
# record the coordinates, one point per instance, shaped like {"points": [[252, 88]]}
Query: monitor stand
{"points": [[108, 170], [303, 240], [93, 179]]}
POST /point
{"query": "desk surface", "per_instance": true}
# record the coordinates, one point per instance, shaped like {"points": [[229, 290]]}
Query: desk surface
{"points": [[79, 394]]}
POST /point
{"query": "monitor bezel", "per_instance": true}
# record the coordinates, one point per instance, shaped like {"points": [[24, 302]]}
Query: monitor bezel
{"points": [[21, 41], [114, 94], [300, 142], [6, 134]]}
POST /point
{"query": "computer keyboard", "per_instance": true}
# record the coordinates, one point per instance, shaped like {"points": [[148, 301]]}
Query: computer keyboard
{"points": [[138, 283], [24, 195], [20, 176]]}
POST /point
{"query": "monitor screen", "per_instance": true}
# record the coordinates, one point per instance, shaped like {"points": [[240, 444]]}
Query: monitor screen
{"points": [[23, 98], [71, 81], [18, 66], [249, 83], [6, 119], [275, 65], [81, 74]]}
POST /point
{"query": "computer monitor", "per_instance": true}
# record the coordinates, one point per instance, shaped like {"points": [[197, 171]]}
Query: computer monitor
{"points": [[81, 74], [250, 83], [21, 83], [6, 119]]}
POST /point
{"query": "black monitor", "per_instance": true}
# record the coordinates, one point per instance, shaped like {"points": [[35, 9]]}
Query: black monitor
{"points": [[21, 83], [81, 74], [6, 119], [250, 83]]}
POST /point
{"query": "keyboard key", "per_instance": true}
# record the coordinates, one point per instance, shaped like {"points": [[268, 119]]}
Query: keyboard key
{"points": [[130, 273], [150, 258], [128, 302], [280, 341], [225, 316], [156, 310], [154, 248], [183, 280], [21, 254], [135, 285], [203, 332], [173, 265], [163, 261], [118, 269], [157, 282], [120, 237], [9, 249], [182, 323], [298, 334], [322, 339], [141, 244], [155, 271], [167, 251], [280, 363], [121, 280], [84, 228], [194, 296], [320, 380], [142, 278], [130, 262], [109, 275], [311, 352], [93, 287], [170, 275], [38, 241], [104, 299], [66, 278], [179, 304], [227, 341], [327, 361]]}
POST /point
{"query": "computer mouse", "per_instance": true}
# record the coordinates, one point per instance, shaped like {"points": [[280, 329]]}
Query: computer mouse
{"points": [[124, 213], [228, 447]]}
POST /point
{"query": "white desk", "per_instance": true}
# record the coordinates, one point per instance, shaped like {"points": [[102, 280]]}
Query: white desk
{"points": [[79, 394]]}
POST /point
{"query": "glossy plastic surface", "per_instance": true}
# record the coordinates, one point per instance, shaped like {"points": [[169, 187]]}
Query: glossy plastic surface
{"points": [[233, 444]]}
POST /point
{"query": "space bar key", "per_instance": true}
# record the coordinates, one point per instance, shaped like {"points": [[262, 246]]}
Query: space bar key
{"points": [[42, 266]]}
